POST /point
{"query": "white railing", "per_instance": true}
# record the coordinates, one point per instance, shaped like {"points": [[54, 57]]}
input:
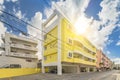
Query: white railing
{"points": [[85, 55], [23, 55], [2, 45], [23, 47]]}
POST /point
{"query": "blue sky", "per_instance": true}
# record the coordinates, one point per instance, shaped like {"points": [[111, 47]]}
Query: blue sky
{"points": [[105, 31]]}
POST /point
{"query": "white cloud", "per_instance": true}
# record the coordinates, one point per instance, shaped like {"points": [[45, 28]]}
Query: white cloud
{"points": [[108, 52], [71, 8], [118, 43], [2, 32], [12, 0], [116, 60], [74, 9], [1, 1], [18, 14], [2, 7], [48, 11], [2, 27], [108, 18], [119, 37], [36, 21]]}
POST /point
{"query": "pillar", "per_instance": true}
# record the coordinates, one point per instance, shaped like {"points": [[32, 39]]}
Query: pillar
{"points": [[43, 69], [88, 69], [78, 69], [59, 69]]}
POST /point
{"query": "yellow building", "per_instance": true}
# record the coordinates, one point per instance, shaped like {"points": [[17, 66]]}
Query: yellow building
{"points": [[64, 50]]}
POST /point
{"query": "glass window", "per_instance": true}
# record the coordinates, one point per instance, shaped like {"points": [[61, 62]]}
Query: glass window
{"points": [[45, 47], [45, 58], [45, 37], [70, 54], [70, 41]]}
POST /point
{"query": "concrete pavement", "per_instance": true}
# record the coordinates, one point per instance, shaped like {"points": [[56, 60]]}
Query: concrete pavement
{"points": [[106, 75]]}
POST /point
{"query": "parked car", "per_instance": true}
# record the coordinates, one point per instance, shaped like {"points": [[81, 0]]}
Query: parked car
{"points": [[55, 71]]}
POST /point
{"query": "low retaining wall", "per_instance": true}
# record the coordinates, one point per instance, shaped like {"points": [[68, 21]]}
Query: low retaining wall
{"points": [[5, 73]]}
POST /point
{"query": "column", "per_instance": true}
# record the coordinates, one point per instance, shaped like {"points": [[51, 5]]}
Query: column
{"points": [[78, 69], [59, 69], [59, 65], [88, 69]]}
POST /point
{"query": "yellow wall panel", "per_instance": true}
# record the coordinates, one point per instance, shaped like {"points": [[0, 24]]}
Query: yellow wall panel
{"points": [[4, 73]]}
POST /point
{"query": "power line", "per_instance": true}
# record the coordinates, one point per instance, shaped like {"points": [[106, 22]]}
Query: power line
{"points": [[32, 25], [25, 32], [35, 37]]}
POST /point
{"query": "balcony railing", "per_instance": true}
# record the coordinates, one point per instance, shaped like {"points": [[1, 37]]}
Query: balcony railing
{"points": [[2, 46], [22, 55], [2, 36], [21, 46], [85, 55]]}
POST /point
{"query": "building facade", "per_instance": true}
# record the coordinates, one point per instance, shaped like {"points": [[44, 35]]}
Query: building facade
{"points": [[64, 49], [19, 50], [103, 62]]}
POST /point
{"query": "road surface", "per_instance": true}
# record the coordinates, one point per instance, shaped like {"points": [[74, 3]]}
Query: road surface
{"points": [[106, 75]]}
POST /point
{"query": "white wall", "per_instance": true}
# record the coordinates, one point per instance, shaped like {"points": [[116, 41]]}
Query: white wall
{"points": [[11, 60]]}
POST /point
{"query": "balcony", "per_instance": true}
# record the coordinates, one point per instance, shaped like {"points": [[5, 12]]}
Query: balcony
{"points": [[21, 46], [84, 53], [2, 36], [77, 60], [2, 46], [3, 53], [22, 55]]}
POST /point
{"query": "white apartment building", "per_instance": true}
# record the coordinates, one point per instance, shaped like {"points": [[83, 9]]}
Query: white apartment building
{"points": [[19, 50]]}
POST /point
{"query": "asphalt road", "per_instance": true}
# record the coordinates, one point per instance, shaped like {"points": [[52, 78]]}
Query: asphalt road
{"points": [[106, 75]]}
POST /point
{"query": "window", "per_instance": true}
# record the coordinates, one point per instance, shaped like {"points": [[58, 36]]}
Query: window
{"points": [[45, 47], [77, 43], [45, 37], [13, 50], [77, 55], [27, 45], [13, 42], [70, 41], [27, 52], [70, 54], [45, 58], [28, 60], [69, 26]]}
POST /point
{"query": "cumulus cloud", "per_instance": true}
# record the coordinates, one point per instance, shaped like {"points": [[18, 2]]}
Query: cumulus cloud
{"points": [[18, 14], [2, 27], [74, 10], [12, 0], [2, 7], [116, 60], [1, 1], [36, 21], [100, 37], [2, 32], [118, 43], [108, 52], [98, 31], [49, 11]]}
